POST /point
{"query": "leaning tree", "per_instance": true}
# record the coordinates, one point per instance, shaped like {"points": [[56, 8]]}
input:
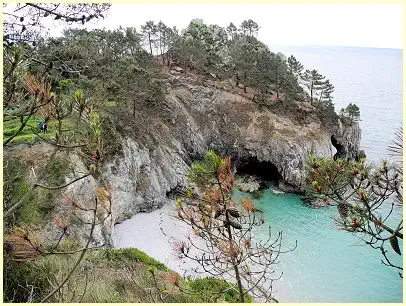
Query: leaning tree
{"points": [[226, 226]]}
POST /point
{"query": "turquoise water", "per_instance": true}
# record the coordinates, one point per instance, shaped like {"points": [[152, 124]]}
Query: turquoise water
{"points": [[328, 265]]}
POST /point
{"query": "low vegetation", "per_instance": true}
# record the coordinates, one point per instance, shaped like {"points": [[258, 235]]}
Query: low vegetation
{"points": [[39, 206], [110, 276]]}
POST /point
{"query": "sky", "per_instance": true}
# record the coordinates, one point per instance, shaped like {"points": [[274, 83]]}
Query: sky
{"points": [[359, 25]]}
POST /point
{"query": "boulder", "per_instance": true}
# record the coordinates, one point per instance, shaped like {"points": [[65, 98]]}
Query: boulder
{"points": [[178, 69]]}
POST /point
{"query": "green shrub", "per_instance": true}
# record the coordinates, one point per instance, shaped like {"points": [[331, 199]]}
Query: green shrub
{"points": [[111, 138], [131, 254], [205, 286], [116, 276], [20, 276], [26, 135], [38, 207]]}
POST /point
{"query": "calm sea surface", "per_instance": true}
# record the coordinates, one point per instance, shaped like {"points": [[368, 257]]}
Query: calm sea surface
{"points": [[368, 77], [328, 265]]}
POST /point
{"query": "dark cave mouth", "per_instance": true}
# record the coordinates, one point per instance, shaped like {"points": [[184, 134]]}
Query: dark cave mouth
{"points": [[171, 194], [264, 170], [340, 148]]}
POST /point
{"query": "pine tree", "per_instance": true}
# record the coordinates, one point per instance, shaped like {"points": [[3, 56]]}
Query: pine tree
{"points": [[278, 73], [243, 59], [262, 76], [149, 30], [249, 27], [161, 30], [294, 66], [326, 90], [313, 81], [291, 87], [226, 227], [232, 30], [351, 111]]}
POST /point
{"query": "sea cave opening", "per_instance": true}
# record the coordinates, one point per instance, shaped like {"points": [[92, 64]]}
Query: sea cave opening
{"points": [[171, 193], [340, 148], [264, 170]]}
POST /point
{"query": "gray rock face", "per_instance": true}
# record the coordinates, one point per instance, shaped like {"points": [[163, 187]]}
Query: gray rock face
{"points": [[201, 116], [198, 116], [348, 136], [141, 178]]}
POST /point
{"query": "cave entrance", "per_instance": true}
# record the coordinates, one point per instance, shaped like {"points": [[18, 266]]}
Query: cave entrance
{"points": [[340, 148], [171, 193], [265, 170]]}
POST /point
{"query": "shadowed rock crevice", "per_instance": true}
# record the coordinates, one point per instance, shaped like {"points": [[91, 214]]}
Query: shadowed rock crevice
{"points": [[264, 170], [171, 194], [341, 153]]}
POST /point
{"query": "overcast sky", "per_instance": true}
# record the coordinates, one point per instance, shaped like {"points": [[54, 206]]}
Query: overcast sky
{"points": [[365, 25]]}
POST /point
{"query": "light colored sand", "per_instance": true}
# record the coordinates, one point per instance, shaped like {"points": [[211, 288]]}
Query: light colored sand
{"points": [[154, 233]]}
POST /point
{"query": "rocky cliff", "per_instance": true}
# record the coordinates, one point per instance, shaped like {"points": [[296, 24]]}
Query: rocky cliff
{"points": [[202, 114], [199, 114]]}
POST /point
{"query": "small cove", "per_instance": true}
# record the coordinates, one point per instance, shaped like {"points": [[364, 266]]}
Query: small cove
{"points": [[328, 265]]}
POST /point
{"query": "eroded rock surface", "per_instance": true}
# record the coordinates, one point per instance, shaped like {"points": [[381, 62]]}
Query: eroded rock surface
{"points": [[201, 114]]}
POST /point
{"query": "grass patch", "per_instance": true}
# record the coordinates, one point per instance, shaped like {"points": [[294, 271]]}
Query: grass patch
{"points": [[109, 276], [205, 286], [17, 274], [132, 255], [110, 104], [28, 134]]}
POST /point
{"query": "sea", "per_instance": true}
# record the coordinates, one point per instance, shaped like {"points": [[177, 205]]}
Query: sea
{"points": [[369, 77], [328, 265]]}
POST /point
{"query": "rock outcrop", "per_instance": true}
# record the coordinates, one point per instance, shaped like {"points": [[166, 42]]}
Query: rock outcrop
{"points": [[202, 114], [247, 183]]}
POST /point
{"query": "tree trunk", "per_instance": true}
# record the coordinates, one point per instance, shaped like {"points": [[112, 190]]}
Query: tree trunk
{"points": [[160, 44], [277, 84], [311, 94], [235, 265], [237, 275], [230, 240], [150, 43], [320, 96]]}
